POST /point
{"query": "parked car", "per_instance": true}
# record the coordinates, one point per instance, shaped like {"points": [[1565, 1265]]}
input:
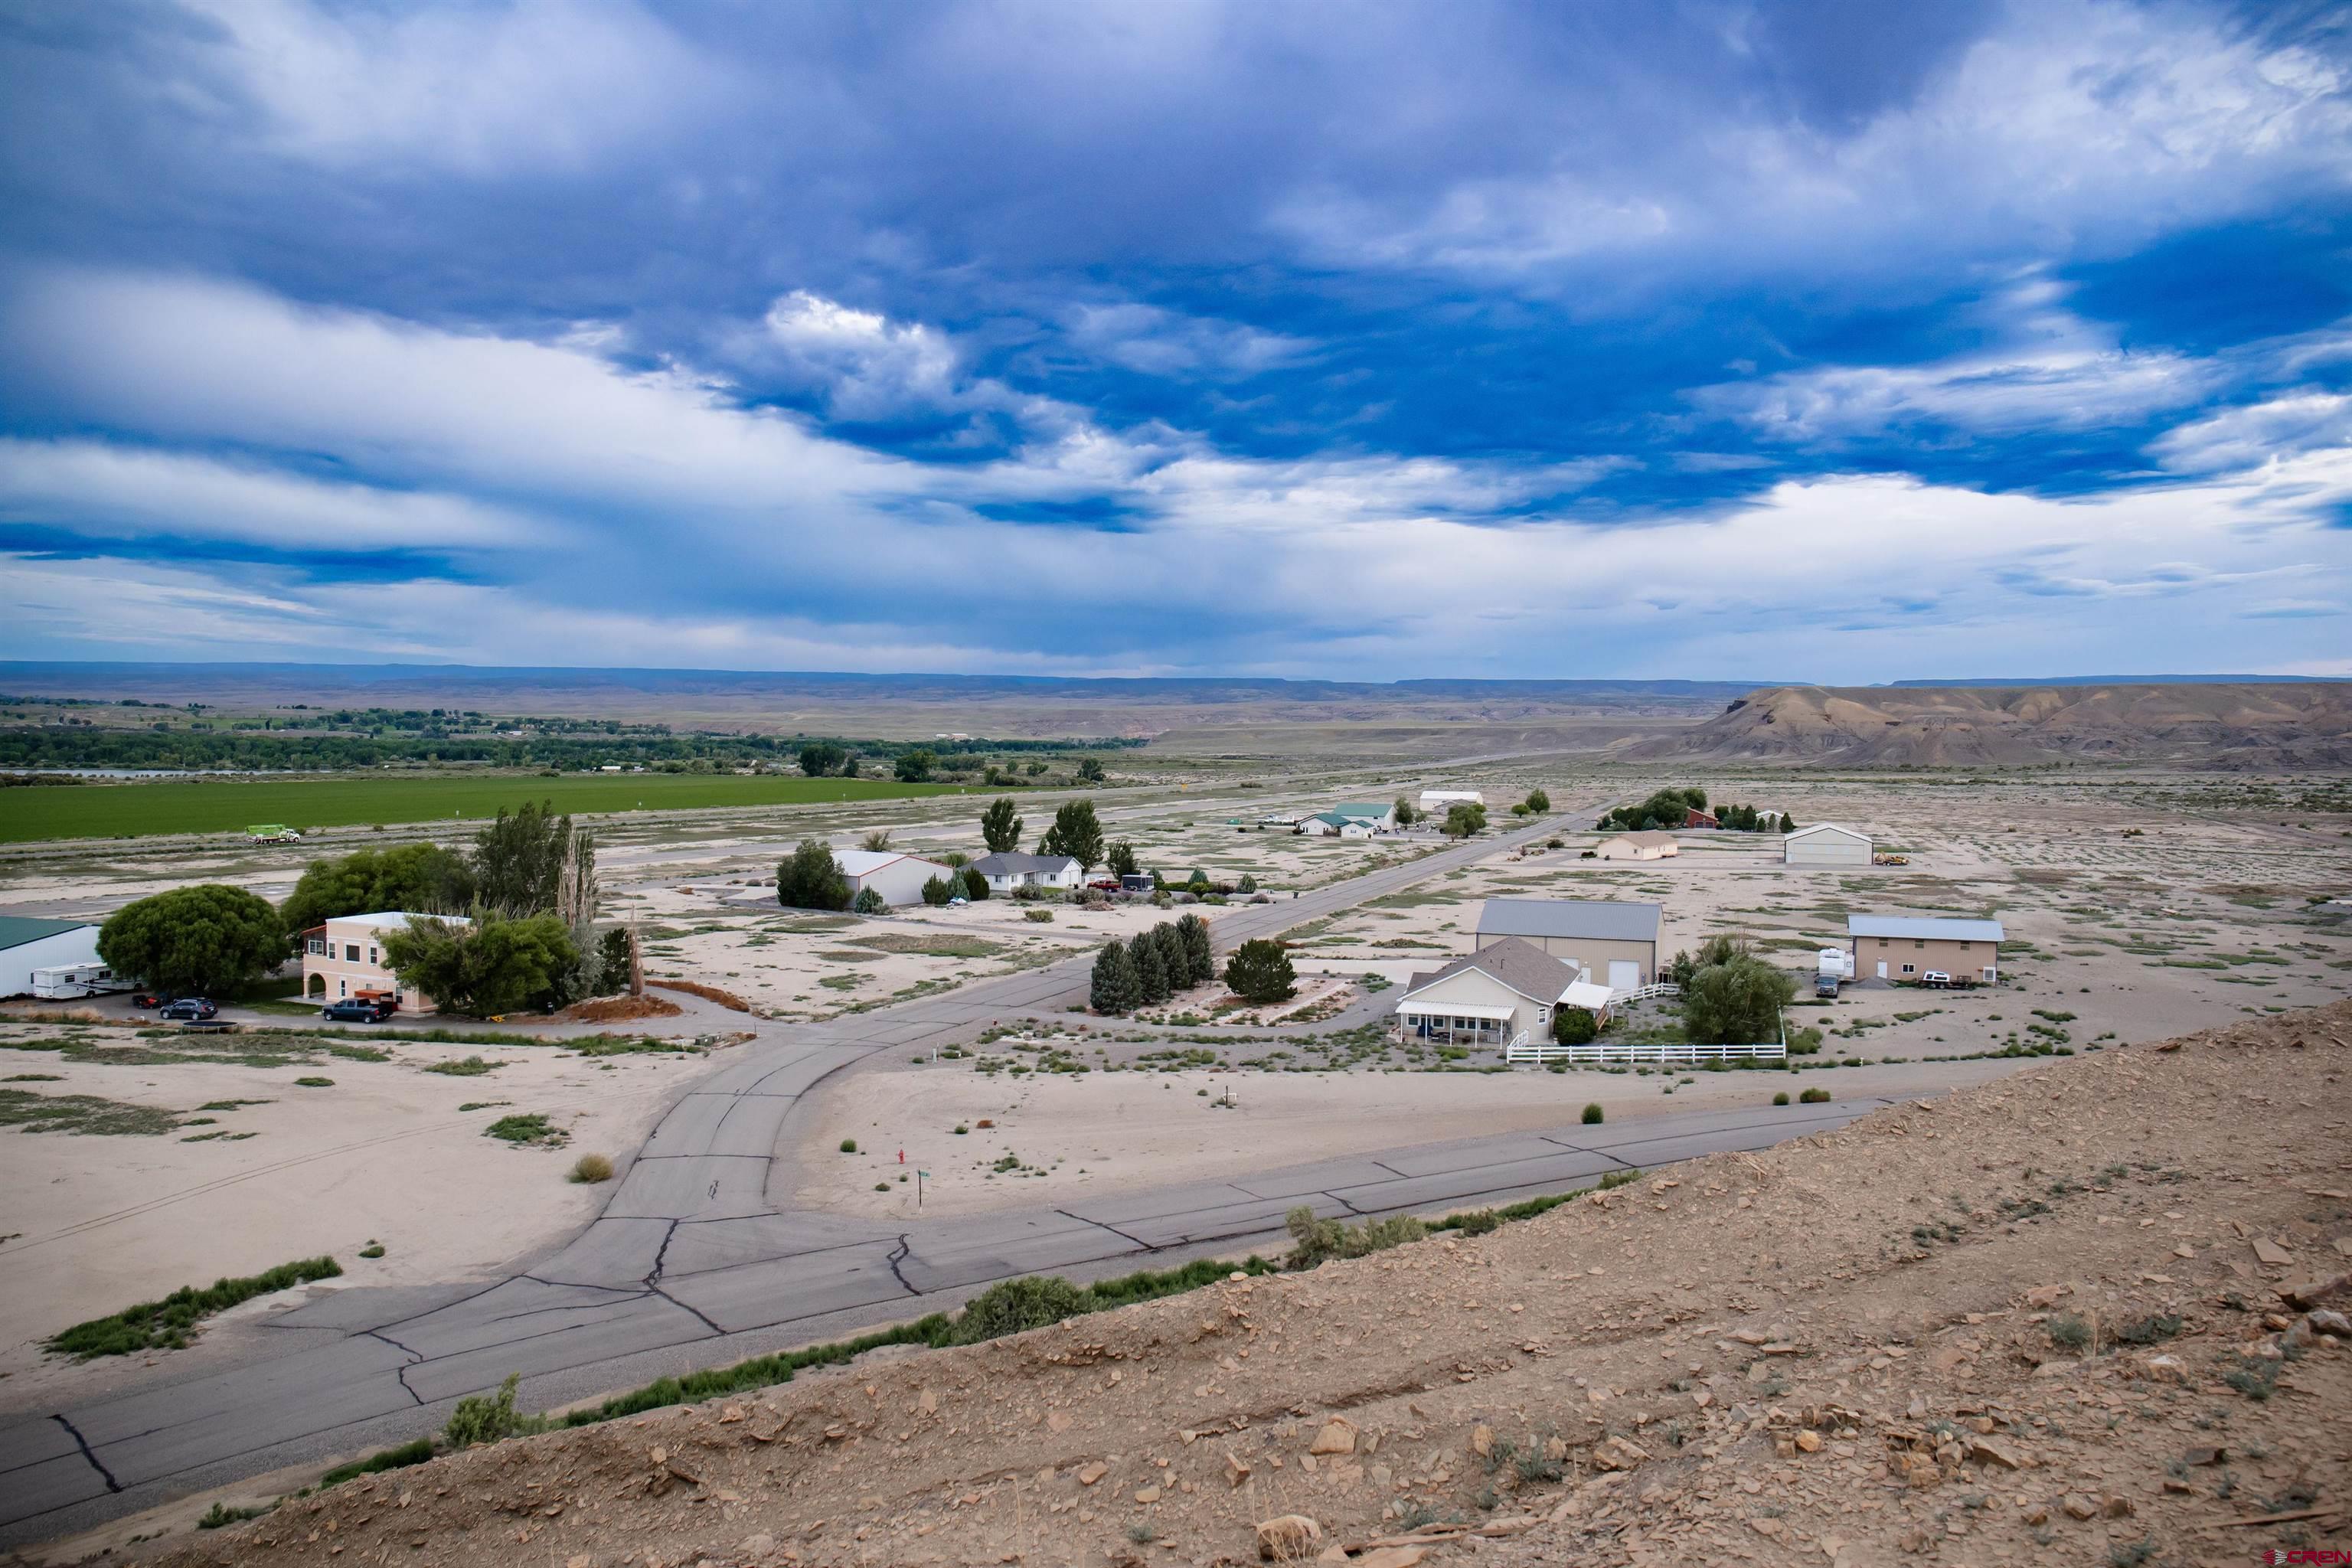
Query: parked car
{"points": [[1936, 978], [357, 1010], [191, 1010], [145, 999], [1105, 884]]}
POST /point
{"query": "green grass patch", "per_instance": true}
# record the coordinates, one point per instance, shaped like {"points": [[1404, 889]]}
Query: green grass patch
{"points": [[228, 806], [314, 1082], [169, 1323], [927, 946], [534, 1129], [398, 1459], [468, 1067], [88, 1114], [623, 1045]]}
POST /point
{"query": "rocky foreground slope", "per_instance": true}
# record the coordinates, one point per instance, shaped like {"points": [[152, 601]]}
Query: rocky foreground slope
{"points": [[2090, 1313], [2267, 726]]}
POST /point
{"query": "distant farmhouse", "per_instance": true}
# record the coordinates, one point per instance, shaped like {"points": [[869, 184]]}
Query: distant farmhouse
{"points": [[1435, 801], [1597, 939], [1825, 843], [1650, 846], [1905, 947], [1007, 870], [344, 958], [898, 878], [1351, 819]]}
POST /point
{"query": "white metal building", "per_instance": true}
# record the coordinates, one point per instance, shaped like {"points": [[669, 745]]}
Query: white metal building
{"points": [[899, 878], [28, 945], [1825, 843]]}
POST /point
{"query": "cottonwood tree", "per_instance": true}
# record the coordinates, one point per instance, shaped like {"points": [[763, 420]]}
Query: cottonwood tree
{"points": [[1091, 770], [877, 842], [1077, 832], [519, 859], [915, 766], [191, 941], [822, 758], [1736, 1001], [491, 965], [999, 826], [420, 879], [1121, 860]]}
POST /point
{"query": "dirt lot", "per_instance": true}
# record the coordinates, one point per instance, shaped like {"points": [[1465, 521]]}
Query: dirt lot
{"points": [[2057, 1317], [192, 1163]]}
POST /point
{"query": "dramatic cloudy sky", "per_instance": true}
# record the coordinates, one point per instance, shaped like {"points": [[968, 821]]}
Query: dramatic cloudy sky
{"points": [[1845, 341]]}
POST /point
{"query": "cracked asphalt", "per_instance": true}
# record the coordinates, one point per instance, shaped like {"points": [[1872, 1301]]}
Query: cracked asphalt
{"points": [[693, 1263]]}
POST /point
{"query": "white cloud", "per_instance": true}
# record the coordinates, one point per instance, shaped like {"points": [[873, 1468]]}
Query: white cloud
{"points": [[538, 84], [2259, 433], [106, 490], [869, 368], [1153, 341]]}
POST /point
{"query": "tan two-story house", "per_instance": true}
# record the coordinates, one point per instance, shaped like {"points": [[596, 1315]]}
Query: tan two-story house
{"points": [[1907, 947], [344, 957]]}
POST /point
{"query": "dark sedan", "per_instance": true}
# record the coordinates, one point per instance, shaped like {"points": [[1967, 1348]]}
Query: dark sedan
{"points": [[190, 1010], [357, 1010]]}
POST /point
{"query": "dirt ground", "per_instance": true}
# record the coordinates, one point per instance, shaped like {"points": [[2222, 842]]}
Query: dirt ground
{"points": [[247, 1169], [1120, 1131], [2088, 1312]]}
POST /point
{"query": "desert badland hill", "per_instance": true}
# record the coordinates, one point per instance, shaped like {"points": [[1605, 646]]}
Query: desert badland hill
{"points": [[2089, 1313], [2251, 726]]}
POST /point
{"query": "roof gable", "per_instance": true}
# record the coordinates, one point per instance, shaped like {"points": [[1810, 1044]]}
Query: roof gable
{"points": [[1515, 966]]}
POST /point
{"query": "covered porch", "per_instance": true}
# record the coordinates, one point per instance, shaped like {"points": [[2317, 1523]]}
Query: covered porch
{"points": [[1455, 1023]]}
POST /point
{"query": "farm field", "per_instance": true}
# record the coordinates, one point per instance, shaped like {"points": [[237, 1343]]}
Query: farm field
{"points": [[226, 806]]}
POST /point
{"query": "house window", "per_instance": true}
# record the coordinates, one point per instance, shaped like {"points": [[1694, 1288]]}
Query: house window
{"points": [[1909, 968], [371, 955], [1919, 944], [350, 953], [315, 947], [1964, 947], [343, 987]]}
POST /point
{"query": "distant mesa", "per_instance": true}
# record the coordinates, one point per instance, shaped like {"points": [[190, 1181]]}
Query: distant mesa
{"points": [[2252, 725]]}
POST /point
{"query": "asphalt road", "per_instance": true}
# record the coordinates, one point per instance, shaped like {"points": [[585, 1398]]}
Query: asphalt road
{"points": [[692, 1264]]}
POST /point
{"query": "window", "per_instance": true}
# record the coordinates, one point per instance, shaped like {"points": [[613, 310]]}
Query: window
{"points": [[1964, 947], [371, 954], [316, 948], [1910, 968], [1919, 944], [343, 987], [350, 953]]}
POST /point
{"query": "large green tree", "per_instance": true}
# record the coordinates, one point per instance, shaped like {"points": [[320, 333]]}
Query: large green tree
{"points": [[1737, 1002], [207, 939], [821, 758], [519, 859], [1200, 960], [1151, 968], [1114, 988], [419, 878], [1174, 957], [915, 766], [489, 965], [1260, 971], [999, 826], [1077, 832], [810, 879], [1121, 860]]}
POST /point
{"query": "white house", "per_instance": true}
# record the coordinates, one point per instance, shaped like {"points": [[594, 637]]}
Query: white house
{"points": [[1646, 846], [344, 957], [1825, 843], [28, 945], [1435, 801], [899, 878], [1501, 994], [1332, 825], [1008, 869]]}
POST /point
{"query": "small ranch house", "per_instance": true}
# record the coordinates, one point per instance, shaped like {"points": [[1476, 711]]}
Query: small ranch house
{"points": [[1598, 939], [899, 878], [1905, 947], [1650, 846], [1377, 815], [344, 958], [1332, 825], [1499, 995], [1007, 870], [1825, 843]]}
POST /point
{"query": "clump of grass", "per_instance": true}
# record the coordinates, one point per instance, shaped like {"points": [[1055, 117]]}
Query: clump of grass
{"points": [[34, 1077], [849, 1145], [1319, 1239], [398, 1459], [1781, 1097], [534, 1129], [168, 1324], [2151, 1330], [315, 1082], [590, 1169], [470, 1066], [1593, 1115], [1477, 1221], [489, 1417], [2254, 1377], [232, 1104], [1813, 1097], [373, 1249], [220, 1514], [88, 1114], [484, 1104], [2068, 1331], [631, 1045]]}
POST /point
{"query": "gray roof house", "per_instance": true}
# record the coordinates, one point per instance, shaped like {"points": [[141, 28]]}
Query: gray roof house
{"points": [[1502, 992], [1007, 869]]}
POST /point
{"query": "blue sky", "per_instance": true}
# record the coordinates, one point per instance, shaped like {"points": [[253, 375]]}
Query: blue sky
{"points": [[1845, 341]]}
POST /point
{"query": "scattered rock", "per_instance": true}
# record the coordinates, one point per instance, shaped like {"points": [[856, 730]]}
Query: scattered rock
{"points": [[2080, 1507], [2271, 1253], [1092, 1471], [2304, 1296], [1617, 1454], [1338, 1437]]}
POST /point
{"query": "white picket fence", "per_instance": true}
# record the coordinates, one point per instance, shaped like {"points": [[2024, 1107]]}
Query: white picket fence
{"points": [[1643, 993], [1644, 1051]]}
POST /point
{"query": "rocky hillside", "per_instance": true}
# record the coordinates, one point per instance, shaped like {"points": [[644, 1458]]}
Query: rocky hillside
{"points": [[2251, 726], [2090, 1313]]}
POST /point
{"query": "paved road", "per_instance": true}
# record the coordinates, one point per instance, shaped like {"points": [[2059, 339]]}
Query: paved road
{"points": [[692, 1263]]}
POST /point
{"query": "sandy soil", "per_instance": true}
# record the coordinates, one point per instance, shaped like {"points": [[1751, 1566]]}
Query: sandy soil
{"points": [[1119, 1131], [96, 1223]]}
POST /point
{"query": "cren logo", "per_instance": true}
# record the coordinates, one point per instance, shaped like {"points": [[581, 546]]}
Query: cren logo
{"points": [[2306, 1557]]}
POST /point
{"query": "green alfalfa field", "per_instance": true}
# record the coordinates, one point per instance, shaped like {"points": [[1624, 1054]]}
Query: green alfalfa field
{"points": [[232, 804]]}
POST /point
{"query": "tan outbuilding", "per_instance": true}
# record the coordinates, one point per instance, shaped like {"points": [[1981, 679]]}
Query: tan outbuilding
{"points": [[1646, 846], [1900, 948], [1604, 941], [1825, 843]]}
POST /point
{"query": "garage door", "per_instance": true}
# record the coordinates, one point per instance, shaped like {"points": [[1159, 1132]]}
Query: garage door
{"points": [[1624, 974]]}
